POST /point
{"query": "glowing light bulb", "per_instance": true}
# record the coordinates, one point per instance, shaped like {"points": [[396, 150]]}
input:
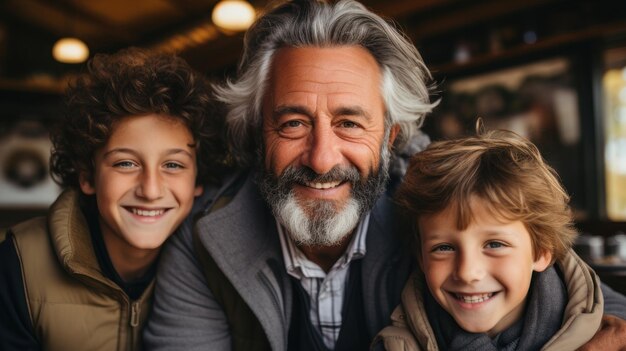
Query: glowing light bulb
{"points": [[70, 50], [235, 15]]}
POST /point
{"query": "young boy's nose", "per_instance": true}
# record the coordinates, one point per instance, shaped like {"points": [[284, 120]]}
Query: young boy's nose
{"points": [[150, 186], [469, 268]]}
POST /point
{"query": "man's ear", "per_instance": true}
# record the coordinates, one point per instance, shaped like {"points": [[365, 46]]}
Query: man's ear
{"points": [[393, 133], [86, 185], [542, 261]]}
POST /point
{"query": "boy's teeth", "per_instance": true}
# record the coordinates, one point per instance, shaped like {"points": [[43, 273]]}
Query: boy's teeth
{"points": [[322, 185], [474, 298], [147, 213]]}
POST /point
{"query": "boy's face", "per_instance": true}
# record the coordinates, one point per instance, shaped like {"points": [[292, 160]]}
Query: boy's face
{"points": [[144, 181], [479, 275]]}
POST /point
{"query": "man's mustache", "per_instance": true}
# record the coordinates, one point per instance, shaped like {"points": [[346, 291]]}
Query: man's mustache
{"points": [[300, 175]]}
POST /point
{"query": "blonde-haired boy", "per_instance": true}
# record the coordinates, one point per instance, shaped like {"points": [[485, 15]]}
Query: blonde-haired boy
{"points": [[494, 236]]}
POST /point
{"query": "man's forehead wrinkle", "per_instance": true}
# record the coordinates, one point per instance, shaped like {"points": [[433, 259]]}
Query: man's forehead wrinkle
{"points": [[339, 111], [302, 80], [322, 74], [291, 109], [352, 111]]}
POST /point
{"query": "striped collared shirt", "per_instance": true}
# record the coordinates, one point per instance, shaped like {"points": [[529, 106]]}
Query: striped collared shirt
{"points": [[325, 290]]}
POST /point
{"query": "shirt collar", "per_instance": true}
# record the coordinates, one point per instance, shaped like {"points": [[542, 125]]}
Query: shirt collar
{"points": [[298, 265]]}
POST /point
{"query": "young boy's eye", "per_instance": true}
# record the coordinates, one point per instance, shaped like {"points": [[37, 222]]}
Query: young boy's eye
{"points": [[173, 165], [124, 164], [494, 245], [443, 248]]}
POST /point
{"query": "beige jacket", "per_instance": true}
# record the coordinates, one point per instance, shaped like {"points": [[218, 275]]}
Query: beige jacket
{"points": [[71, 304], [411, 331]]}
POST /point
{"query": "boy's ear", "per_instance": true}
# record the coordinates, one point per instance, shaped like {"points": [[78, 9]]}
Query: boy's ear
{"points": [[198, 190], [86, 185], [543, 261], [420, 258], [420, 261]]}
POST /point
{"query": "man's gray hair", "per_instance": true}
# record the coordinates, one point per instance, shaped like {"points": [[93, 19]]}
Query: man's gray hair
{"points": [[311, 23]]}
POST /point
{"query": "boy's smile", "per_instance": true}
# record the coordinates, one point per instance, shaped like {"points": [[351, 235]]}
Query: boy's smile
{"points": [[144, 183], [147, 215], [480, 275]]}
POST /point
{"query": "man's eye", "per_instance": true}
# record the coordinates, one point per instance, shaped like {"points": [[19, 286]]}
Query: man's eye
{"points": [[292, 124], [349, 124]]}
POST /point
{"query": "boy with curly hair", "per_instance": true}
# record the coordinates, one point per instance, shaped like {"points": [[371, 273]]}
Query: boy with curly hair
{"points": [[140, 137], [494, 235]]}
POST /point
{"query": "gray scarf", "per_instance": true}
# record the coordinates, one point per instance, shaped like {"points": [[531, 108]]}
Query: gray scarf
{"points": [[545, 305]]}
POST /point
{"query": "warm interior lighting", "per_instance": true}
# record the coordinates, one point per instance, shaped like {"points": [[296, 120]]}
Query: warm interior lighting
{"points": [[235, 15], [70, 50]]}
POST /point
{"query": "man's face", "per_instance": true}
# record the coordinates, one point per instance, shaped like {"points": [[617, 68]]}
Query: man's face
{"points": [[323, 133], [479, 275]]}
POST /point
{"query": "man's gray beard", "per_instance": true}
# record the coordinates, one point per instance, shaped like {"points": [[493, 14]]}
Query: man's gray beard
{"points": [[319, 222]]}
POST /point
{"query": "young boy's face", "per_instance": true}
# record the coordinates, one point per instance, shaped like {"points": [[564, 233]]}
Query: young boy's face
{"points": [[479, 275], [144, 181]]}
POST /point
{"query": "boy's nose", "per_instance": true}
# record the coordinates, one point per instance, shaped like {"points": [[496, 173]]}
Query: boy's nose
{"points": [[469, 268], [150, 186]]}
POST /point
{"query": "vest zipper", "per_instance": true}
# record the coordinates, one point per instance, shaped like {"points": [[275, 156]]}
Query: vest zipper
{"points": [[134, 314]]}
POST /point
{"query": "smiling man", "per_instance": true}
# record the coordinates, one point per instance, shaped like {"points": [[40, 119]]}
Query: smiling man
{"points": [[326, 146], [301, 252]]}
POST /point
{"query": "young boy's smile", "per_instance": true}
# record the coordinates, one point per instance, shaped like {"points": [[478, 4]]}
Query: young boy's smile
{"points": [[480, 275], [144, 182]]}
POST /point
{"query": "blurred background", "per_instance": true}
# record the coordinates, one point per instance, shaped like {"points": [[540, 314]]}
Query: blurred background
{"points": [[552, 70]]}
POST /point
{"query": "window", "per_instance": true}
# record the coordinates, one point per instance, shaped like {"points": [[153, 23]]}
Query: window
{"points": [[614, 95]]}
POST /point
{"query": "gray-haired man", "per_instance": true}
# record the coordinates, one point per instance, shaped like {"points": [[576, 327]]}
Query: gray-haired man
{"points": [[302, 253]]}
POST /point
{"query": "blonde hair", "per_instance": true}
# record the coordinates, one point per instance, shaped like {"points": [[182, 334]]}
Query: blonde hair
{"points": [[501, 168]]}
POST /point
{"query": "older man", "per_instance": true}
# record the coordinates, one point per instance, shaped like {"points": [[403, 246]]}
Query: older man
{"points": [[305, 255], [301, 253]]}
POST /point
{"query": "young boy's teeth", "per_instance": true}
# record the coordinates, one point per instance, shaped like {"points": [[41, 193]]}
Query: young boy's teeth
{"points": [[474, 298], [147, 213], [322, 185]]}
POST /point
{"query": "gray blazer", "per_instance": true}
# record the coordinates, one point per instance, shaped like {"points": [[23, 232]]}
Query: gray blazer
{"points": [[243, 241]]}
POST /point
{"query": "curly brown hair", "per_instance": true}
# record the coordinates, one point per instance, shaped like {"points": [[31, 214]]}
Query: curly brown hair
{"points": [[499, 167], [135, 82]]}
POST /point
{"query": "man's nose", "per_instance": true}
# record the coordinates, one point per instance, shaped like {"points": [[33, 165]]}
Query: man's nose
{"points": [[324, 150], [469, 268], [150, 185]]}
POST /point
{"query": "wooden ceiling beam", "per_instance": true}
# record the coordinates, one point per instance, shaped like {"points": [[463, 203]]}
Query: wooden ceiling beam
{"points": [[474, 12], [399, 9]]}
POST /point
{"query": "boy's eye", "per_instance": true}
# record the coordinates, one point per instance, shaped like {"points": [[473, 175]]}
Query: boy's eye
{"points": [[443, 248], [173, 165], [494, 245], [124, 164]]}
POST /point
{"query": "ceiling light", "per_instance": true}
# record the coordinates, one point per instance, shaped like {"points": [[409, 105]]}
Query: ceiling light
{"points": [[70, 50], [235, 15]]}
